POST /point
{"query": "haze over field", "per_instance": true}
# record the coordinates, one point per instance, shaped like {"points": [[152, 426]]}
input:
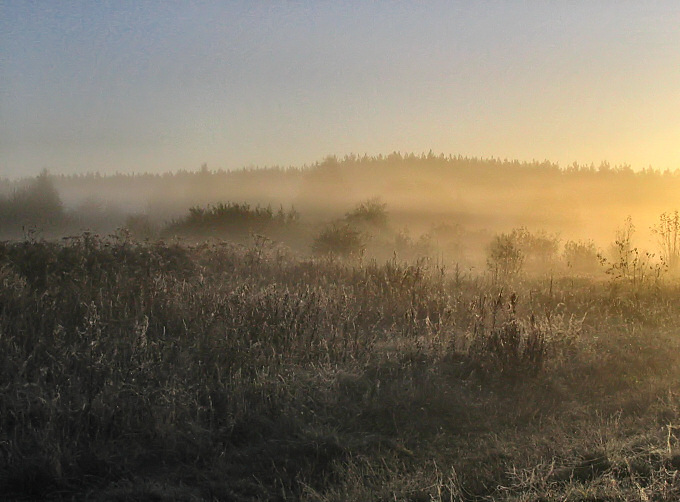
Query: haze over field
{"points": [[160, 86], [340, 250]]}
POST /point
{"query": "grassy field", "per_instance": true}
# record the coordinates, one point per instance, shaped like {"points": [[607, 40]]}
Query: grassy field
{"points": [[157, 371]]}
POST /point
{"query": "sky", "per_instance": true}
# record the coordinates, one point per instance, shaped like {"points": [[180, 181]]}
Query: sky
{"points": [[156, 86]]}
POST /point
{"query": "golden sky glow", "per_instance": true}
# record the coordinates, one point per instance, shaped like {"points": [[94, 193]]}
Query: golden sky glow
{"points": [[157, 86]]}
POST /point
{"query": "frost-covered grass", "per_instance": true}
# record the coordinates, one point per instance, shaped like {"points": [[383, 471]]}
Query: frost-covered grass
{"points": [[220, 372]]}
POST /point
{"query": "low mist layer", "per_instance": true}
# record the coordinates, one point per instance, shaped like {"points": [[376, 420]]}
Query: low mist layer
{"points": [[454, 209]]}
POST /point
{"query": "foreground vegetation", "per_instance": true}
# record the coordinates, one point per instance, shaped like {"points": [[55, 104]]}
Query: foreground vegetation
{"points": [[223, 372]]}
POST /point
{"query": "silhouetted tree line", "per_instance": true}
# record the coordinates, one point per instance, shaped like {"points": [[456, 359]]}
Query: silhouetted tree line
{"points": [[421, 190]]}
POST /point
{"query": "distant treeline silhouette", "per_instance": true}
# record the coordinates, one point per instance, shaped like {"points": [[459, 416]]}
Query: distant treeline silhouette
{"points": [[421, 191]]}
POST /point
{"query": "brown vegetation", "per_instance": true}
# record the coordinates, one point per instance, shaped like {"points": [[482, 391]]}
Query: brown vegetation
{"points": [[222, 372]]}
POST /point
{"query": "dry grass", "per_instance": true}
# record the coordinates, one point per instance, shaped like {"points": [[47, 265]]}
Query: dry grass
{"points": [[137, 371]]}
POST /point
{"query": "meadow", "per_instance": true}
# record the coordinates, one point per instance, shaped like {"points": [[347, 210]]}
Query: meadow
{"points": [[151, 370], [240, 352]]}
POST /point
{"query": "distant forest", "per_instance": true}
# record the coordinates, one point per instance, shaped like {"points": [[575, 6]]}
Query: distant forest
{"points": [[418, 192]]}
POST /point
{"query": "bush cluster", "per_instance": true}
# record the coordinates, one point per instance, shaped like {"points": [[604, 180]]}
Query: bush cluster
{"points": [[230, 220]]}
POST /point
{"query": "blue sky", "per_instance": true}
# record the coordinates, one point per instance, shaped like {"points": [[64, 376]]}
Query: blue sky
{"points": [[157, 86]]}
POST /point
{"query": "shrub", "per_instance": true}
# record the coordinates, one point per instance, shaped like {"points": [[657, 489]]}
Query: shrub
{"points": [[409, 248], [627, 262], [581, 257], [230, 220], [539, 248], [668, 232], [370, 213], [505, 257], [339, 239]]}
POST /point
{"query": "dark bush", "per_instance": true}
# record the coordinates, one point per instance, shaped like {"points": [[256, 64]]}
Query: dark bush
{"points": [[339, 239], [230, 220]]}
